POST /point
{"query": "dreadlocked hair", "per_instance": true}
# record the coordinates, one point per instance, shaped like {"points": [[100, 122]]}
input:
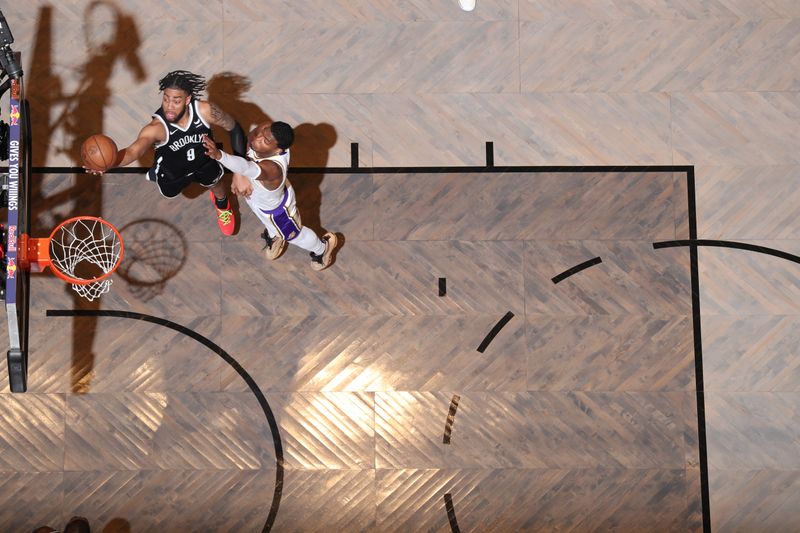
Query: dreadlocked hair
{"points": [[193, 84]]}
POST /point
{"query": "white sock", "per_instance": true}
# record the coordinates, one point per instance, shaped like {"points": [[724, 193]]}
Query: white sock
{"points": [[308, 240]]}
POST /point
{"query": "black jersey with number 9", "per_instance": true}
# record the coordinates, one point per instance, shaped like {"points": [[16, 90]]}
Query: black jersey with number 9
{"points": [[183, 153]]}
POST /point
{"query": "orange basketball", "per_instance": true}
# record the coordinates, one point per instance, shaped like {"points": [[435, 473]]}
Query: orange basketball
{"points": [[99, 152]]}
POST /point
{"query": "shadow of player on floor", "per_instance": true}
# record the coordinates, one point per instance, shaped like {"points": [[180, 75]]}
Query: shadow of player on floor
{"points": [[110, 36], [311, 148]]}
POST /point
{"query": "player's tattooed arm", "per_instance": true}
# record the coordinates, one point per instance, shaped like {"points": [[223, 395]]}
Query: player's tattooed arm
{"points": [[216, 116], [220, 118]]}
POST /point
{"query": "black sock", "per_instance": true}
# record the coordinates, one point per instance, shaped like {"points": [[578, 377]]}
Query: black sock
{"points": [[221, 204]]}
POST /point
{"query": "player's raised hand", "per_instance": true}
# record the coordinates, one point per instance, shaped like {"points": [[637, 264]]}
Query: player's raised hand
{"points": [[241, 186], [98, 153], [211, 148]]}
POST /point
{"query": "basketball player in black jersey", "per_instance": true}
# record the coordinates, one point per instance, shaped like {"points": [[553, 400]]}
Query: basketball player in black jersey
{"points": [[176, 132]]}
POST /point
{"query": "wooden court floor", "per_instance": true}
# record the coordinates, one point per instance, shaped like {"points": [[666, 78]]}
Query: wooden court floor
{"points": [[579, 414], [707, 83]]}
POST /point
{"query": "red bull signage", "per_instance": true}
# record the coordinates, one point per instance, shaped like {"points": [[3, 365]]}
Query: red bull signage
{"points": [[12, 239], [14, 115], [14, 153]]}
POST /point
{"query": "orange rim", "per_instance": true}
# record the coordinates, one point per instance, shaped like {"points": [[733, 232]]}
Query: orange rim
{"points": [[79, 281]]}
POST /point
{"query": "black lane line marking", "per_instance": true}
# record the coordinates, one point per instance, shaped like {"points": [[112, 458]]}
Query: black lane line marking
{"points": [[353, 155], [702, 448], [273, 425], [451, 513], [451, 415], [495, 330], [489, 154], [442, 286], [728, 244], [577, 268], [466, 169]]}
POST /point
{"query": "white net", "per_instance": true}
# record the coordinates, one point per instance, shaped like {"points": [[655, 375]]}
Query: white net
{"points": [[90, 291], [86, 249]]}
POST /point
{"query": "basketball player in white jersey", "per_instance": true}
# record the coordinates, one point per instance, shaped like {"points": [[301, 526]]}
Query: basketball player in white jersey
{"points": [[261, 179]]}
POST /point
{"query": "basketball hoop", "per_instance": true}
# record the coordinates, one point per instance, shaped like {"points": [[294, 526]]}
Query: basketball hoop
{"points": [[83, 251]]}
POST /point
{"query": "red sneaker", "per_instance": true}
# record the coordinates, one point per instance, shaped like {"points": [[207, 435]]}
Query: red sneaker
{"points": [[225, 219]]}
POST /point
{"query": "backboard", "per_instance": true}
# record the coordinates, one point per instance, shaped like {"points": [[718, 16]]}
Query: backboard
{"points": [[16, 196]]}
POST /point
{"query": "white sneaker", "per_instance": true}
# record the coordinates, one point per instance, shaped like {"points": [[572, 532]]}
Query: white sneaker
{"points": [[467, 5], [323, 260], [274, 246]]}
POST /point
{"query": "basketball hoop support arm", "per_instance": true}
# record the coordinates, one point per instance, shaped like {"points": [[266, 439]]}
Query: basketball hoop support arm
{"points": [[34, 254]]}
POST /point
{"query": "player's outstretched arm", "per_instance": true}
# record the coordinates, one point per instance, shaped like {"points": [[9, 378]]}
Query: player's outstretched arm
{"points": [[151, 134], [267, 172], [213, 114], [234, 163]]}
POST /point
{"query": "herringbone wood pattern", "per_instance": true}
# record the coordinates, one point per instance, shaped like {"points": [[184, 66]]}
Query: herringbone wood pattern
{"points": [[590, 379], [710, 83]]}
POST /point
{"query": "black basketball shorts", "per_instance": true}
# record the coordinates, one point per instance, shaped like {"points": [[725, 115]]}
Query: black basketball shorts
{"points": [[171, 184]]}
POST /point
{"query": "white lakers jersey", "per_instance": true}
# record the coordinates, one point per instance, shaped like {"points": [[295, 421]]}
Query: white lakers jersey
{"points": [[262, 197]]}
